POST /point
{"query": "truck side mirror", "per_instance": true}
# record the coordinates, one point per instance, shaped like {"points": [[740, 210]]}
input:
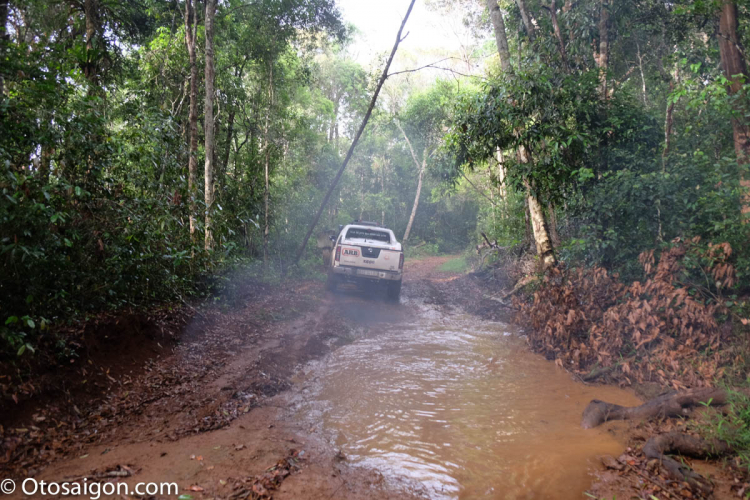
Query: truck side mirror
{"points": [[341, 227]]}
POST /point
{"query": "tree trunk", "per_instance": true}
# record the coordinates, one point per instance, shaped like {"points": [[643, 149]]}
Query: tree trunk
{"points": [[91, 11], [553, 225], [602, 61], [500, 38], [558, 35], [643, 77], [382, 190], [544, 248], [208, 125], [541, 233], [228, 148], [267, 189], [3, 40], [668, 121], [416, 196], [528, 236], [190, 35], [419, 179], [530, 29], [735, 70], [361, 194], [361, 129]]}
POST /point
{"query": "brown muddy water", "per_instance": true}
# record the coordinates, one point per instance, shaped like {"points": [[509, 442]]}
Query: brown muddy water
{"points": [[457, 407]]}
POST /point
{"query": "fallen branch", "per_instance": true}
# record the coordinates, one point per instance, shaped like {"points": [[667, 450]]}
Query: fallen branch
{"points": [[493, 247], [658, 447], [671, 404], [521, 283]]}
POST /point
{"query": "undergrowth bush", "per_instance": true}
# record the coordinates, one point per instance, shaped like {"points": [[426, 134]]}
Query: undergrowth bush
{"points": [[662, 329], [731, 426]]}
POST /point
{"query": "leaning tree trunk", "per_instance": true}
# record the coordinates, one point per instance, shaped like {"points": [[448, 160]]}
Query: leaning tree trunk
{"points": [[208, 125], [361, 129], [735, 70], [190, 35], [500, 37]]}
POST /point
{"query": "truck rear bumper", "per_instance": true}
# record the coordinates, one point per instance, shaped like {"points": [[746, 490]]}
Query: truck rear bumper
{"points": [[359, 273]]}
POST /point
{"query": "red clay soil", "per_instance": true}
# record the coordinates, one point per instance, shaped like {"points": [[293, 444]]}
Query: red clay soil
{"points": [[195, 397], [189, 395]]}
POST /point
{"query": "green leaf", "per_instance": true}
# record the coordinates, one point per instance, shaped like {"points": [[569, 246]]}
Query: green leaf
{"points": [[21, 350], [30, 322]]}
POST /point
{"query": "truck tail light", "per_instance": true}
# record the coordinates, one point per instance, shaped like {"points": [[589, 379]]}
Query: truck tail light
{"points": [[401, 261], [338, 254]]}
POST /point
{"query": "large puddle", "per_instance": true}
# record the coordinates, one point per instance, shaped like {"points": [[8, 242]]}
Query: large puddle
{"points": [[459, 407]]}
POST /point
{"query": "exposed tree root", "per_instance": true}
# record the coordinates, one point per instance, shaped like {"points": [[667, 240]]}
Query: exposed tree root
{"points": [[671, 404], [677, 442]]}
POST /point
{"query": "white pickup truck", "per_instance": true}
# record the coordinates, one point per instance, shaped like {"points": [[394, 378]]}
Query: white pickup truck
{"points": [[366, 253]]}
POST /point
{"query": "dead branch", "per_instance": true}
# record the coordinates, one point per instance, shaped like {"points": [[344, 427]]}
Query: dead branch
{"points": [[658, 447], [671, 404]]}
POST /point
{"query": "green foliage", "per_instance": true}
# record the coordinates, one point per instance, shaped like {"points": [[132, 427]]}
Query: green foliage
{"points": [[556, 119], [731, 426]]}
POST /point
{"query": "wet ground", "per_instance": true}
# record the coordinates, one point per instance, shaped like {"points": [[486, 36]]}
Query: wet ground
{"points": [[454, 404], [350, 396]]}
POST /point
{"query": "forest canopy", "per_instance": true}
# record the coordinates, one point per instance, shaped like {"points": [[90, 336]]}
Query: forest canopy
{"points": [[149, 146]]}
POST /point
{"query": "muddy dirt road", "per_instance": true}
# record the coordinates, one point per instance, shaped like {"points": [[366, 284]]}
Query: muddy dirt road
{"points": [[297, 393]]}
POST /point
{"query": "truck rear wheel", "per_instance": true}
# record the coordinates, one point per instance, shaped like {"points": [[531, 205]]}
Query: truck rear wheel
{"points": [[394, 290]]}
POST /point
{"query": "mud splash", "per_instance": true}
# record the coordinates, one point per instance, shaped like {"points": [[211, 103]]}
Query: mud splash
{"points": [[458, 407]]}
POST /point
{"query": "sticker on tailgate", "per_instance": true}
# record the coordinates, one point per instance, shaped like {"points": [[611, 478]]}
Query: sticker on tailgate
{"points": [[351, 251]]}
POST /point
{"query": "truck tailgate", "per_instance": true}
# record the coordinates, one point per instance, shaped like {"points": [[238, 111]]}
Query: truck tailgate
{"points": [[367, 257]]}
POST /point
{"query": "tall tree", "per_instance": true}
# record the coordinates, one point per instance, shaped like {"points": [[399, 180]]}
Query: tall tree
{"points": [[544, 247], [266, 163], [602, 58], [501, 39], [735, 70], [190, 36], [421, 169], [208, 125], [3, 41]]}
